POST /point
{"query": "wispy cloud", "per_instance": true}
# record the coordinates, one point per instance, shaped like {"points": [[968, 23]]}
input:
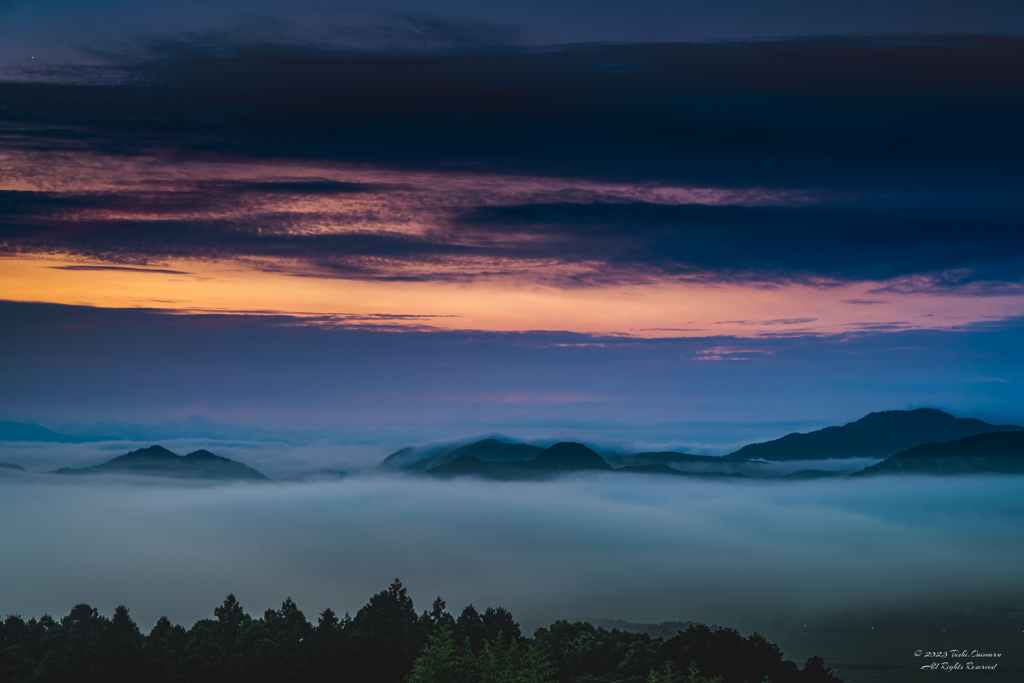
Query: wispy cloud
{"points": [[863, 302], [729, 353], [127, 268]]}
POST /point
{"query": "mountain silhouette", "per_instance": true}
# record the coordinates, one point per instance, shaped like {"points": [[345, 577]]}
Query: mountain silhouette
{"points": [[466, 465], [619, 460], [673, 462], [995, 452], [157, 460], [11, 466], [666, 470], [561, 458], [487, 450], [878, 435], [567, 456]]}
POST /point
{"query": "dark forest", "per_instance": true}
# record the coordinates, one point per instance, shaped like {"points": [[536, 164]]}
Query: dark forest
{"points": [[385, 642]]}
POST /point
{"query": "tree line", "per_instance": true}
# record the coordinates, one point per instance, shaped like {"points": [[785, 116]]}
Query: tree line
{"points": [[385, 642]]}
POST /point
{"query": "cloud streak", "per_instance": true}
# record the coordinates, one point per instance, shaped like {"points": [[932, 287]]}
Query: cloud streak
{"points": [[566, 244]]}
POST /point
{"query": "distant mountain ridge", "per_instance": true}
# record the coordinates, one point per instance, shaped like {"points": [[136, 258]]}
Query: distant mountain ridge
{"points": [[415, 459], [487, 450], [28, 431], [665, 469], [157, 460], [924, 440], [877, 435], [191, 427], [991, 453], [561, 458]]}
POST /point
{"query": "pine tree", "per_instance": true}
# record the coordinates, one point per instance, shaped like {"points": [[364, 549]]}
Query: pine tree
{"points": [[442, 660]]}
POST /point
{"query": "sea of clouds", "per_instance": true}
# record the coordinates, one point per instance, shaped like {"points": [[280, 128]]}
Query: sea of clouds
{"points": [[634, 547]]}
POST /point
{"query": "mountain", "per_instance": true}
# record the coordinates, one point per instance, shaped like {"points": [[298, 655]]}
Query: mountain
{"points": [[469, 465], [488, 450], [665, 469], [996, 452], [561, 458], [661, 458], [672, 462], [157, 460], [11, 466], [567, 456], [878, 435], [27, 431], [415, 459]]}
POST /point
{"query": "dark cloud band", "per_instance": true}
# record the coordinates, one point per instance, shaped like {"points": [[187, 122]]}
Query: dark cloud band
{"points": [[837, 112], [909, 149]]}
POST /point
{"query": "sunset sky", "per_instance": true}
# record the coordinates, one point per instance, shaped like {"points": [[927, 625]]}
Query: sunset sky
{"points": [[562, 218]]}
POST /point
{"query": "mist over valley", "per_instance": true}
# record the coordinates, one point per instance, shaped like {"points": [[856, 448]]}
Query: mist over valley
{"points": [[609, 536]]}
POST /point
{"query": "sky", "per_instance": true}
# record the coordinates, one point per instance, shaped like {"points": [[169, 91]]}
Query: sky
{"points": [[307, 234], [470, 236], [62, 26]]}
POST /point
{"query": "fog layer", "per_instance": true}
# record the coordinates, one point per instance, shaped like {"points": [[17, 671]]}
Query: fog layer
{"points": [[633, 547]]}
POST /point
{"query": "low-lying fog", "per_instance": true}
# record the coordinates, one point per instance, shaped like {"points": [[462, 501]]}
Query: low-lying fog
{"points": [[634, 547]]}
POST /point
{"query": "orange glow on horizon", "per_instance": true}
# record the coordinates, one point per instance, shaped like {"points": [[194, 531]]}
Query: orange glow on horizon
{"points": [[470, 287], [666, 309]]}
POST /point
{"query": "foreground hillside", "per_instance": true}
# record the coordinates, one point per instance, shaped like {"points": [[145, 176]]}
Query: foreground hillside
{"points": [[385, 642]]}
